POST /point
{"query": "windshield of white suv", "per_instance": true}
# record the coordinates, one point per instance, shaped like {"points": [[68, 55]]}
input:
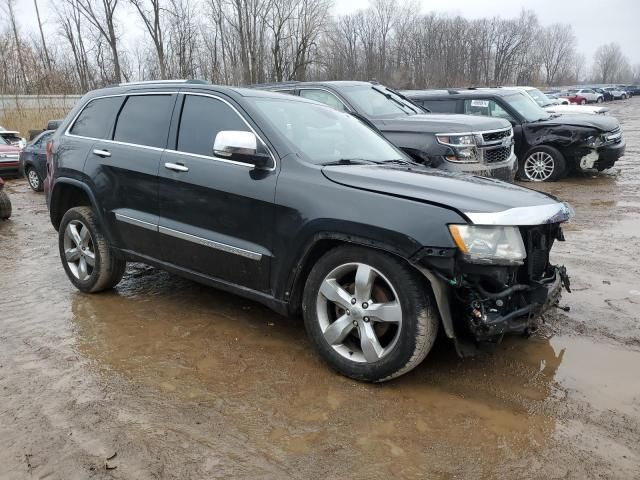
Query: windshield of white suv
{"points": [[323, 135], [377, 101], [540, 98], [526, 107]]}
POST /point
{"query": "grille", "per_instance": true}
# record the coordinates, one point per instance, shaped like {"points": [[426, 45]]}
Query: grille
{"points": [[493, 136], [495, 155]]}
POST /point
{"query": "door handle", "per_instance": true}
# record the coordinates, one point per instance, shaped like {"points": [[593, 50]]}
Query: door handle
{"points": [[176, 167], [102, 153]]}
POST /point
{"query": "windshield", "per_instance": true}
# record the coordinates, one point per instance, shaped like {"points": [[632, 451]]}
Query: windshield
{"points": [[321, 134], [540, 98], [526, 107], [376, 101]]}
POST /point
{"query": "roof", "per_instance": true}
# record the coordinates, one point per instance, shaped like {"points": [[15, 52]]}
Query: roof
{"points": [[468, 92], [329, 83]]}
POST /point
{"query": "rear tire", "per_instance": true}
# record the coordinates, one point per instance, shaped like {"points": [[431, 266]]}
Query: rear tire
{"points": [[35, 182], [5, 205], [88, 259], [583, 102], [542, 164], [368, 314], [599, 100]]}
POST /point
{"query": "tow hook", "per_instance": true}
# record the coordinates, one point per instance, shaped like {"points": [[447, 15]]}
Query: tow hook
{"points": [[564, 278]]}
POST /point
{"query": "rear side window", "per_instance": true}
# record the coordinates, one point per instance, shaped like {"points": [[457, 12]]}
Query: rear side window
{"points": [[202, 118], [96, 118], [440, 106], [144, 120]]}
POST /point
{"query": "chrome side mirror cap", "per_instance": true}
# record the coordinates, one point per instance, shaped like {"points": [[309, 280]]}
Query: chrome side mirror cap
{"points": [[242, 147]]}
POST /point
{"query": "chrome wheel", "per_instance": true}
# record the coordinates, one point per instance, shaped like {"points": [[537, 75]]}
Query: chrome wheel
{"points": [[79, 250], [539, 166], [33, 179], [359, 312]]}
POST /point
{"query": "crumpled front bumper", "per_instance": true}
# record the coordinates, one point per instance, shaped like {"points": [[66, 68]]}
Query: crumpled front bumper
{"points": [[541, 297]]}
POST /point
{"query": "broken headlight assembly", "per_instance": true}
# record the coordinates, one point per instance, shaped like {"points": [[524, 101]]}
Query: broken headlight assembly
{"points": [[489, 244], [596, 141], [464, 147]]}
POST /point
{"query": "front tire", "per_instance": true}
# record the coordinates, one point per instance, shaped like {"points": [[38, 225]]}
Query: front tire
{"points": [[368, 314], [86, 255], [599, 100], [583, 102], [542, 164], [35, 182]]}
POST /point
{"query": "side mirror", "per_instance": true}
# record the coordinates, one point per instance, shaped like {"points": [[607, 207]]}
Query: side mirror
{"points": [[242, 147]]}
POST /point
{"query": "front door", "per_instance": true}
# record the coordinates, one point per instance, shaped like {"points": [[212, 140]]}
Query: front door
{"points": [[216, 215]]}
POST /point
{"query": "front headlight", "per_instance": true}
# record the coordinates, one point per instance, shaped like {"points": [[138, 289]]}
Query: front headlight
{"points": [[596, 141], [489, 244], [464, 147]]}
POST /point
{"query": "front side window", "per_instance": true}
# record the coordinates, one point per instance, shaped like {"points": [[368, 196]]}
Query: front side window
{"points": [[487, 108], [144, 120], [324, 135], [201, 120], [96, 118], [378, 102], [323, 96]]}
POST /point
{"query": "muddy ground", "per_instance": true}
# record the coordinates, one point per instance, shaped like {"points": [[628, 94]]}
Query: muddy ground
{"points": [[178, 380]]}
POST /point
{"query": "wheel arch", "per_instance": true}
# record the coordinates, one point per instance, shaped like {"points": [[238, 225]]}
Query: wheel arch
{"points": [[67, 193]]}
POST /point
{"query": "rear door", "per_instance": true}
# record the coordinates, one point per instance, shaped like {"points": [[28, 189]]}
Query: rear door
{"points": [[124, 169]]}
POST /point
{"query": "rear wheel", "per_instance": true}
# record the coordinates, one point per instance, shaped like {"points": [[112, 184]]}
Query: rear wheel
{"points": [[86, 255], [624, 96], [542, 164], [600, 100], [35, 182], [5, 205], [368, 314]]}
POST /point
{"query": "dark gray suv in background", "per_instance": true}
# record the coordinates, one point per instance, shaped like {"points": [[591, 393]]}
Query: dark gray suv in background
{"points": [[302, 208]]}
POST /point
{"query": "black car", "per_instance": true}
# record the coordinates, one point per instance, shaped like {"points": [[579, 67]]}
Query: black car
{"points": [[606, 94], [458, 143], [302, 208], [33, 161], [548, 145]]}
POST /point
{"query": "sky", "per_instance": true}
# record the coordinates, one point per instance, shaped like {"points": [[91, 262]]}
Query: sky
{"points": [[594, 22]]}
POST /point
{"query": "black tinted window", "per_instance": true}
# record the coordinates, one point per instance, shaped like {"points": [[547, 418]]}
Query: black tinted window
{"points": [[144, 120], [440, 106], [202, 119], [97, 117]]}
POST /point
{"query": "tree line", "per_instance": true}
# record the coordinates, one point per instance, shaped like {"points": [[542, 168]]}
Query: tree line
{"points": [[242, 42]]}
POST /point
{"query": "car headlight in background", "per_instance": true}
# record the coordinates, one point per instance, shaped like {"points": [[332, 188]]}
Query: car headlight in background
{"points": [[596, 141], [463, 145], [489, 244]]}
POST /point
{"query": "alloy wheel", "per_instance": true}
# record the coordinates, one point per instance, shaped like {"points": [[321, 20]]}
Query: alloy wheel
{"points": [[79, 250], [359, 312], [34, 180], [539, 166]]}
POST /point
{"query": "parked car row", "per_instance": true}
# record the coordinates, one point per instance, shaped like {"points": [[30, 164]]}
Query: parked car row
{"points": [[329, 210]]}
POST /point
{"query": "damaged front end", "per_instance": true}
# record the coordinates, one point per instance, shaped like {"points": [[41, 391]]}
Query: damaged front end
{"points": [[499, 279]]}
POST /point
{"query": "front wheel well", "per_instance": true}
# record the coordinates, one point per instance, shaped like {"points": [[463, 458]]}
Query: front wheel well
{"points": [[317, 250], [64, 198]]}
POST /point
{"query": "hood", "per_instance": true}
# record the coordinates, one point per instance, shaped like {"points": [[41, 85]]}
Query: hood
{"points": [[437, 123], [576, 109], [601, 122], [465, 193]]}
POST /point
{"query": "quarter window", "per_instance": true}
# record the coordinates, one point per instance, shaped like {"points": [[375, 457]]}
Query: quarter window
{"points": [[144, 120], [323, 97], [96, 118], [201, 120]]}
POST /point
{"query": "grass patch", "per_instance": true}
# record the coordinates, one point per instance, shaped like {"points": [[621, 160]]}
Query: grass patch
{"points": [[25, 119]]}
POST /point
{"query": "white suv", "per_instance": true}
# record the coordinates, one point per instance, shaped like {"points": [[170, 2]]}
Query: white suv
{"points": [[590, 94]]}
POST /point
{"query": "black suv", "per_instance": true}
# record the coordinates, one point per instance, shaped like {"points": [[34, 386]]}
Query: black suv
{"points": [[302, 208], [457, 143], [548, 146]]}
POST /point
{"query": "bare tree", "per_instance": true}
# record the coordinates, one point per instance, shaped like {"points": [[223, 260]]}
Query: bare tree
{"points": [[151, 12], [608, 62], [557, 44], [101, 15], [8, 9]]}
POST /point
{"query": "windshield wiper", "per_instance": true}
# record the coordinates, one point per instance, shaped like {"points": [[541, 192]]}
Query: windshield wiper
{"points": [[411, 104], [350, 161], [390, 97]]}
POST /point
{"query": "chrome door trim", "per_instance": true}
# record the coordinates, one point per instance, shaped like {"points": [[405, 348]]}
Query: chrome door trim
{"points": [[211, 243], [136, 222]]}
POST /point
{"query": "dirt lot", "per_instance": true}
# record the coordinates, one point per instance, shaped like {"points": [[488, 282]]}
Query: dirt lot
{"points": [[182, 381]]}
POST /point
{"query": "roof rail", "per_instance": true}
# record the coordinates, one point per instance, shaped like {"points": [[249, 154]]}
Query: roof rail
{"points": [[276, 84], [452, 92], [151, 82]]}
